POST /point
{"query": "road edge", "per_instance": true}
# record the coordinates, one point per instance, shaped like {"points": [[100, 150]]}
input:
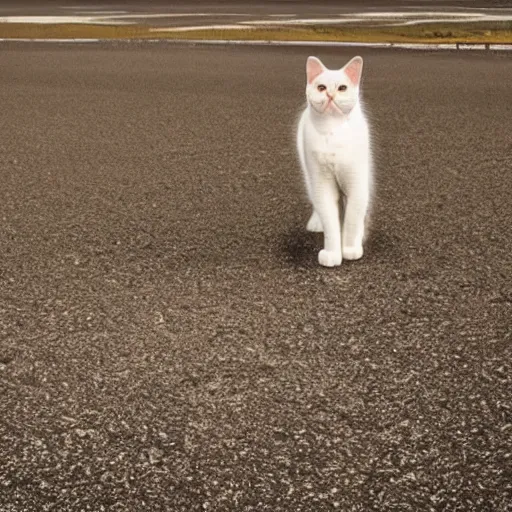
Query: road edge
{"points": [[241, 42]]}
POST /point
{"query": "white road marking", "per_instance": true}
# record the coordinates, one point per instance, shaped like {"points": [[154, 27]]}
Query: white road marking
{"points": [[111, 19], [306, 21], [443, 20], [102, 13], [179, 15], [200, 27], [501, 47], [43, 20], [406, 14], [471, 46], [393, 18], [444, 46], [411, 46], [53, 40]]}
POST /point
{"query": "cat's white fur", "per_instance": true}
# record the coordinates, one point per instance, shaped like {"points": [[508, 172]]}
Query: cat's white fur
{"points": [[333, 145]]}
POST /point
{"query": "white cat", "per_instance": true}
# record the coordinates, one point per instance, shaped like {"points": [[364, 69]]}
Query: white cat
{"points": [[333, 143]]}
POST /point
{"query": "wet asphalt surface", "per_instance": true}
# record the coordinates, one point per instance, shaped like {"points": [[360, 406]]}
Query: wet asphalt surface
{"points": [[298, 6], [233, 11], [168, 341]]}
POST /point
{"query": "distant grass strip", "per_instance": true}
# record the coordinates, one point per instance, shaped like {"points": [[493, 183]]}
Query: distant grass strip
{"points": [[72, 31], [445, 32]]}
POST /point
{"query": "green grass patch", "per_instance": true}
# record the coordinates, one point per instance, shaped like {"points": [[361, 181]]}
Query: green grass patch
{"points": [[445, 32]]}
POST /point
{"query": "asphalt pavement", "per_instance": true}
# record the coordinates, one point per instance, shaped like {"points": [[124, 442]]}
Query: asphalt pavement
{"points": [[168, 341], [236, 10], [300, 6]]}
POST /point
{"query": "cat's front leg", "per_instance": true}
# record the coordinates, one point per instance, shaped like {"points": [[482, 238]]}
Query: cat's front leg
{"points": [[314, 223], [353, 224], [325, 203]]}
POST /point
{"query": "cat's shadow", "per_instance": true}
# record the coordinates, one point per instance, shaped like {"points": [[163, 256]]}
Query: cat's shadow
{"points": [[300, 247]]}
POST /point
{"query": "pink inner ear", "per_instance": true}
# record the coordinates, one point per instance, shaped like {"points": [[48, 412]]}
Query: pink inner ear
{"points": [[313, 68], [353, 70]]}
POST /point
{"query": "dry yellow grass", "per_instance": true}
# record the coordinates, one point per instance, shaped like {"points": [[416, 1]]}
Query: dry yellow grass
{"points": [[421, 33]]}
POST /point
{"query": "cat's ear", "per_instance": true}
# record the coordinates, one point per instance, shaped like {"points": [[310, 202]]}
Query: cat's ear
{"points": [[353, 69], [313, 68]]}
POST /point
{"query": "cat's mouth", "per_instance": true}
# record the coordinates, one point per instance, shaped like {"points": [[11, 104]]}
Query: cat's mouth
{"points": [[330, 107], [333, 108]]}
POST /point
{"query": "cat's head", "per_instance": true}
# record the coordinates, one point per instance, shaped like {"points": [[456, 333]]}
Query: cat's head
{"points": [[333, 92]]}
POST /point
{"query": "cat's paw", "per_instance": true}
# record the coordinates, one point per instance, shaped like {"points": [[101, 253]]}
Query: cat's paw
{"points": [[315, 224], [329, 258], [353, 253]]}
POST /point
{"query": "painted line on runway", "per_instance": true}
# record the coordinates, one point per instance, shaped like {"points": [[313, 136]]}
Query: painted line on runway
{"points": [[54, 40], [408, 46], [240, 42]]}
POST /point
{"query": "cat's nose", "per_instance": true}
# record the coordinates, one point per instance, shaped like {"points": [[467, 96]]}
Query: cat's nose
{"points": [[329, 95]]}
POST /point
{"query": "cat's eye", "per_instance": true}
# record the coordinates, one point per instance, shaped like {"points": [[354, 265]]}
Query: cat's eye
{"points": [[342, 88], [321, 88]]}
